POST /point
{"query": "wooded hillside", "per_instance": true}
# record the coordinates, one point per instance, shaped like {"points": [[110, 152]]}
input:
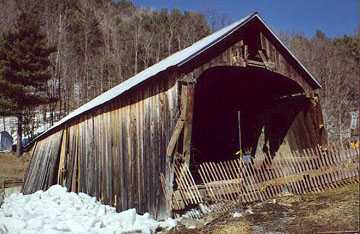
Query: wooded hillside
{"points": [[101, 43]]}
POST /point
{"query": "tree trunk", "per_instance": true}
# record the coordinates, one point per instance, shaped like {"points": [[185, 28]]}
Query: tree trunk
{"points": [[19, 136]]}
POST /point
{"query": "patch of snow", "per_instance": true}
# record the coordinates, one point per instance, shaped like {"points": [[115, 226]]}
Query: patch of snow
{"points": [[199, 211], [59, 211], [195, 212], [237, 215], [284, 190], [205, 209], [168, 224], [249, 211]]}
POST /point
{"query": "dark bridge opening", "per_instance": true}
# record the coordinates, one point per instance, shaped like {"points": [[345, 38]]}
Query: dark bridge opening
{"points": [[230, 100]]}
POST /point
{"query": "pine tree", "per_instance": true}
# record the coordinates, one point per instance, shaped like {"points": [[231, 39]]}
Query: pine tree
{"points": [[24, 70]]}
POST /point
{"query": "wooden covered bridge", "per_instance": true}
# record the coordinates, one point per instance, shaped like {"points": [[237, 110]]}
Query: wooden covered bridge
{"points": [[238, 88]]}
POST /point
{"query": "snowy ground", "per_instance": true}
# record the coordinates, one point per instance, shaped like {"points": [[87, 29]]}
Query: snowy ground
{"points": [[57, 211]]}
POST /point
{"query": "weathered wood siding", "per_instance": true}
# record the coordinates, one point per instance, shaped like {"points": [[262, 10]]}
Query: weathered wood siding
{"points": [[115, 153], [42, 171]]}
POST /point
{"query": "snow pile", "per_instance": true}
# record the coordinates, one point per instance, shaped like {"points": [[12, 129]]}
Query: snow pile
{"points": [[58, 211], [241, 213]]}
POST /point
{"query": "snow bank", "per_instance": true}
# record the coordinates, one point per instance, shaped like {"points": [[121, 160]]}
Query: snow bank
{"points": [[57, 211]]}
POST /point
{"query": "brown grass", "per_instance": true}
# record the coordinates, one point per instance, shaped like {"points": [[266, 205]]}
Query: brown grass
{"points": [[12, 167], [332, 210]]}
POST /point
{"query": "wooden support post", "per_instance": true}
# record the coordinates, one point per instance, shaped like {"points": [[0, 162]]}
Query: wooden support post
{"points": [[187, 99], [239, 126], [175, 136], [183, 127]]}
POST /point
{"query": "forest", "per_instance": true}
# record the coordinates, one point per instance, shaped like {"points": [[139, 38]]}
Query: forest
{"points": [[101, 43]]}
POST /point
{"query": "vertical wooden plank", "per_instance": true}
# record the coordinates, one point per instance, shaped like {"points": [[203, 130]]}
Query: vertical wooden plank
{"points": [[330, 160], [227, 178], [289, 173], [252, 175], [280, 175], [188, 100], [340, 159], [315, 186], [271, 176], [63, 151], [333, 161], [243, 195], [263, 175], [235, 178], [323, 165], [211, 180], [316, 165], [303, 171], [181, 188], [246, 178], [188, 198], [214, 179], [187, 185], [277, 175], [193, 184], [220, 179], [297, 169], [147, 145], [156, 148], [205, 182], [143, 196]]}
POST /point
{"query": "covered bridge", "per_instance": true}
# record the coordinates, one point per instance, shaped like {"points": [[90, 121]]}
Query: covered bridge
{"points": [[238, 88]]}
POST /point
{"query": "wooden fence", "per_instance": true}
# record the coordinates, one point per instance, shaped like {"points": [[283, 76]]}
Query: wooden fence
{"points": [[308, 171]]}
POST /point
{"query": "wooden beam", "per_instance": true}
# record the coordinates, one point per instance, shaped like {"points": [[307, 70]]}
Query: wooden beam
{"points": [[175, 136], [254, 63], [188, 100], [268, 64], [245, 53]]}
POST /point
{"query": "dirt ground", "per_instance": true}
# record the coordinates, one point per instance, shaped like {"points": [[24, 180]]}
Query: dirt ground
{"points": [[12, 167], [333, 211]]}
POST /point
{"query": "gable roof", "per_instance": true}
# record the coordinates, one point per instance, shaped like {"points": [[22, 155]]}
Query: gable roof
{"points": [[175, 60]]}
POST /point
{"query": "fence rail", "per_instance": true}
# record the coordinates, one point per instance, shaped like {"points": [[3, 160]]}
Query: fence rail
{"points": [[299, 172]]}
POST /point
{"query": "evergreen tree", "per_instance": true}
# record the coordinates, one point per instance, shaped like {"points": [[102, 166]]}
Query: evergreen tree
{"points": [[24, 70]]}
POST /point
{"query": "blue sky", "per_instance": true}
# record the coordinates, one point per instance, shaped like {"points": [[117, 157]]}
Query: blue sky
{"points": [[333, 17]]}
